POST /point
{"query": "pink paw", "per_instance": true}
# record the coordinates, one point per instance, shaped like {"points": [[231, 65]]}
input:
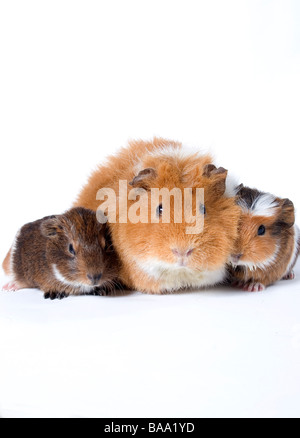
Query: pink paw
{"points": [[254, 287], [290, 276], [11, 286]]}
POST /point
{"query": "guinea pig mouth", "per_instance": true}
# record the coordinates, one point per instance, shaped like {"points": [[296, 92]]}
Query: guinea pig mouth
{"points": [[181, 264], [247, 265], [94, 279], [237, 265], [235, 260]]}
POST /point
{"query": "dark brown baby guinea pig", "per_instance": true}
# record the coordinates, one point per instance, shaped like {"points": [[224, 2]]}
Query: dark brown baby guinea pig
{"points": [[267, 247], [68, 254]]}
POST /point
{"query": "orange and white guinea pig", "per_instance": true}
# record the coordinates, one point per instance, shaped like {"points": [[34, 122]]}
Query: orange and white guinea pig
{"points": [[162, 257], [268, 243]]}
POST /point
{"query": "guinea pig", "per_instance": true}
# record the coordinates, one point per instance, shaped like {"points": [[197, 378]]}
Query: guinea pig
{"points": [[158, 257], [68, 254], [268, 243]]}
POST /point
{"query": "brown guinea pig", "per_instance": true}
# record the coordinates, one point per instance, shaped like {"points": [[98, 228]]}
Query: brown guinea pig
{"points": [[68, 254], [268, 243], [158, 257]]}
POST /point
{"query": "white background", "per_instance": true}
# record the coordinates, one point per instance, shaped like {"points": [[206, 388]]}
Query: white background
{"points": [[77, 80]]}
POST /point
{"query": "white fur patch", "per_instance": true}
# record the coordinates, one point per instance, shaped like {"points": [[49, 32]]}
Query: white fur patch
{"points": [[13, 249], [295, 249], [265, 205], [80, 286], [231, 185], [173, 277], [179, 152], [262, 265], [168, 150]]}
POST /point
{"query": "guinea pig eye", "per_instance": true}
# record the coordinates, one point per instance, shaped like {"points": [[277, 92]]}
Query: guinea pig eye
{"points": [[159, 210], [71, 249], [202, 209], [261, 230]]}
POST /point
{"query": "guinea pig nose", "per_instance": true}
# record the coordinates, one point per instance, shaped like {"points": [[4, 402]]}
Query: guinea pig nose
{"points": [[182, 253], [94, 278]]}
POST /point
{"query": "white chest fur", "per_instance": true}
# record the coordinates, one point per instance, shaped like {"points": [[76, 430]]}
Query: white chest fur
{"points": [[173, 277], [295, 249]]}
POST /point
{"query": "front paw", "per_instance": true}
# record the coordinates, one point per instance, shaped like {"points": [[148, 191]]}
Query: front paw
{"points": [[290, 276], [254, 287], [98, 291], [12, 286], [250, 286], [52, 295]]}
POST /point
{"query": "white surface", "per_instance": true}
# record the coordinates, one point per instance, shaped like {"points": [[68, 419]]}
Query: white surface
{"points": [[219, 352], [77, 80]]}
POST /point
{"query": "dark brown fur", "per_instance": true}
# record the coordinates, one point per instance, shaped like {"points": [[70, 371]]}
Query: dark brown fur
{"points": [[45, 244]]}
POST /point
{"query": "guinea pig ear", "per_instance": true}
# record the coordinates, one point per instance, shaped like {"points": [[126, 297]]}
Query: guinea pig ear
{"points": [[144, 178], [287, 213], [218, 178], [239, 188], [51, 226]]}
